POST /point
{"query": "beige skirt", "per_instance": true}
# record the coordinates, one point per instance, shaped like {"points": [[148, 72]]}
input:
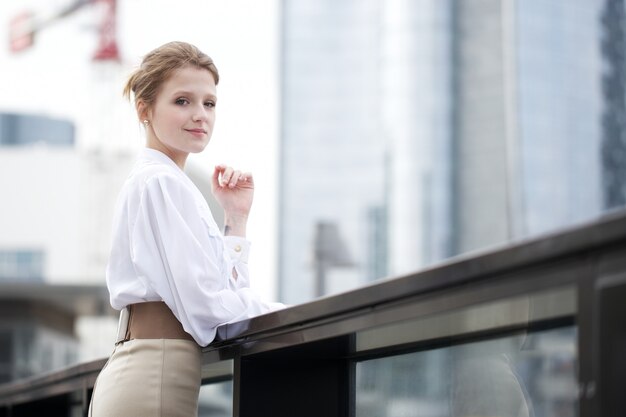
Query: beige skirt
{"points": [[149, 378]]}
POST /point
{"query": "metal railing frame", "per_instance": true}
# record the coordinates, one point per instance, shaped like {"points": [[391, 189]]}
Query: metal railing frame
{"points": [[301, 360]]}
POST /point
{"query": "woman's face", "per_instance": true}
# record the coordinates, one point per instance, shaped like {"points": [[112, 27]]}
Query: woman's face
{"points": [[182, 116]]}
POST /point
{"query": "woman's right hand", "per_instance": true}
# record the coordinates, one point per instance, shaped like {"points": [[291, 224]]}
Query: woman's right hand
{"points": [[234, 191]]}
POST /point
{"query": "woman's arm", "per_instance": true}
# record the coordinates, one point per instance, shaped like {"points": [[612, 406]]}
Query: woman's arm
{"points": [[184, 261]]}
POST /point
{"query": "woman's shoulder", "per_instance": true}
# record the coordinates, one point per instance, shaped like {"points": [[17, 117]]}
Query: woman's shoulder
{"points": [[150, 171], [152, 178]]}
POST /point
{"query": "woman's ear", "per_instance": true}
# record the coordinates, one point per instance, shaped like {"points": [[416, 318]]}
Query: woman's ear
{"points": [[143, 111]]}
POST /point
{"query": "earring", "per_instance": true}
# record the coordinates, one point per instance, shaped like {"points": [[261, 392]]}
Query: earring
{"points": [[146, 122]]}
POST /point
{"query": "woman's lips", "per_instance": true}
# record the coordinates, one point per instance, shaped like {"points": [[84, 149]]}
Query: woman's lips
{"points": [[197, 132]]}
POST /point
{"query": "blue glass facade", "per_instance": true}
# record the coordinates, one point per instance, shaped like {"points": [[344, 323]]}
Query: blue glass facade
{"points": [[22, 129], [559, 96], [331, 146], [496, 121]]}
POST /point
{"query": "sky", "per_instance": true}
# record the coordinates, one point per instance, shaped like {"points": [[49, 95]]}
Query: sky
{"points": [[58, 78]]}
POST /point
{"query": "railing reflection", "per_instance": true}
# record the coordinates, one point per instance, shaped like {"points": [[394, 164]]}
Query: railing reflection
{"points": [[521, 375], [216, 400]]}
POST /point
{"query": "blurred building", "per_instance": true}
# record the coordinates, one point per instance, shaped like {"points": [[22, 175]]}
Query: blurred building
{"points": [[613, 35], [506, 134], [417, 111], [331, 186], [556, 107], [494, 121], [57, 198], [428, 129], [48, 253]]}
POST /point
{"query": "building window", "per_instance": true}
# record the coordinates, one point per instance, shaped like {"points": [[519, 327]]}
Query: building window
{"points": [[25, 129], [21, 265]]}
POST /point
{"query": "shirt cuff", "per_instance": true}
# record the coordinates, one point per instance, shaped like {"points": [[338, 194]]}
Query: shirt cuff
{"points": [[238, 248]]}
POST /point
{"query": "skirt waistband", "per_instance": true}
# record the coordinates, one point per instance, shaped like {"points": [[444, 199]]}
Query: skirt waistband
{"points": [[149, 320]]}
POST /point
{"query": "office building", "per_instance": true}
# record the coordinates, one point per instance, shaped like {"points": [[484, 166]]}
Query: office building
{"points": [[331, 145], [45, 247], [487, 129]]}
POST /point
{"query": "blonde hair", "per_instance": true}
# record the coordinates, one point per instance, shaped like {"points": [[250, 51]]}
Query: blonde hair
{"points": [[159, 65]]}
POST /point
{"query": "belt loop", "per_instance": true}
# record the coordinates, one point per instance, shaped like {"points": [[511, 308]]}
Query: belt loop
{"points": [[123, 328], [130, 319]]}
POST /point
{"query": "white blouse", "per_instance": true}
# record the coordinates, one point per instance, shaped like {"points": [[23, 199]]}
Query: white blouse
{"points": [[167, 247]]}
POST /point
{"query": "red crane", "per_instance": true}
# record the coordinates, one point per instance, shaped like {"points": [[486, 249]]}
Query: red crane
{"points": [[25, 26]]}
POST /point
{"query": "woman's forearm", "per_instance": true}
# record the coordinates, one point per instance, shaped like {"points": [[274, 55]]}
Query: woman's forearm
{"points": [[235, 224]]}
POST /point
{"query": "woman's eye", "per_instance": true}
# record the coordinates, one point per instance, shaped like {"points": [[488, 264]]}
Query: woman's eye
{"points": [[209, 104], [181, 101]]}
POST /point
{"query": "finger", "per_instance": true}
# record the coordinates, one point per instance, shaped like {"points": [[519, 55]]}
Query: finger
{"points": [[226, 176], [215, 180], [234, 179], [246, 177]]}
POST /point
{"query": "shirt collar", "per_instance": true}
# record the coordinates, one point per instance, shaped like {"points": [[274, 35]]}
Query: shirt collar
{"points": [[154, 155]]}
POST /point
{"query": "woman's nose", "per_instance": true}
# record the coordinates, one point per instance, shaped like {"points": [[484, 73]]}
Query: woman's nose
{"points": [[200, 114]]}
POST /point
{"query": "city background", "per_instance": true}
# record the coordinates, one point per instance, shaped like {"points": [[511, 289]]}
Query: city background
{"points": [[385, 136]]}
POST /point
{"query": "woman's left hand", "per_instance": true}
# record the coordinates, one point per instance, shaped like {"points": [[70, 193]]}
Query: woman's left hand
{"points": [[234, 191]]}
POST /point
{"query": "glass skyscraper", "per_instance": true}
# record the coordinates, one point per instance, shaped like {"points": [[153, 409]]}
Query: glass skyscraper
{"points": [[421, 130], [332, 159], [559, 107]]}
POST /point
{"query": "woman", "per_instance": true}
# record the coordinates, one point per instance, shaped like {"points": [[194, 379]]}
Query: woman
{"points": [[173, 274]]}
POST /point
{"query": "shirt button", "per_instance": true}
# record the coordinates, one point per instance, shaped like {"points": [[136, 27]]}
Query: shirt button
{"points": [[237, 248]]}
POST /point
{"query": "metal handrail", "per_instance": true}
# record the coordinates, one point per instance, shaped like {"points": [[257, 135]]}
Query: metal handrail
{"points": [[569, 263]]}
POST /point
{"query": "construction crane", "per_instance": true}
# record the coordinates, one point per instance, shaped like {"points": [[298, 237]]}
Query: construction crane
{"points": [[24, 27]]}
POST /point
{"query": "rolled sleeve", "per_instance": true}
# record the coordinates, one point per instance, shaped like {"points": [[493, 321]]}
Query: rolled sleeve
{"points": [[238, 248]]}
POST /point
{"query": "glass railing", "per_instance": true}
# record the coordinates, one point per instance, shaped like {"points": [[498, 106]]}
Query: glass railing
{"points": [[537, 329]]}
